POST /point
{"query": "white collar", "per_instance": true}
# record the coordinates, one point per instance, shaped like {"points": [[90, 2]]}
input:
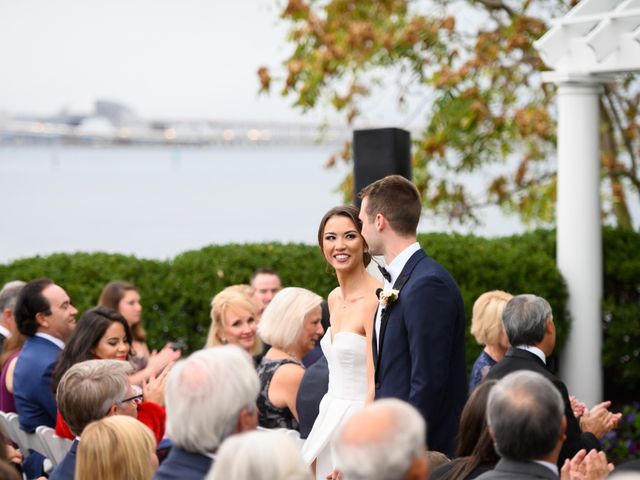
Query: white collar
{"points": [[398, 263], [55, 340], [551, 466], [535, 350], [5, 331]]}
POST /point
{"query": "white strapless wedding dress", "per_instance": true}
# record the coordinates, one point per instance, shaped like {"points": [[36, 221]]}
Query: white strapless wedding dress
{"points": [[347, 360]]}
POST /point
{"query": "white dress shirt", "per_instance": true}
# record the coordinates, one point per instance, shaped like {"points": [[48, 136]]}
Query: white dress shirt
{"points": [[395, 269], [55, 340], [535, 350]]}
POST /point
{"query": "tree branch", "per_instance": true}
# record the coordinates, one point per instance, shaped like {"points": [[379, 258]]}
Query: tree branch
{"points": [[618, 123], [492, 5]]}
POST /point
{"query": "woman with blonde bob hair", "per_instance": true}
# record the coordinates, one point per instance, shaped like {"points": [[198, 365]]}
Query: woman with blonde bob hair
{"points": [[487, 328], [291, 325], [234, 320], [114, 448], [265, 455]]}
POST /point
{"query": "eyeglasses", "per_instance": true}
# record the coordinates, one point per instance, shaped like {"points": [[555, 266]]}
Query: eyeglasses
{"points": [[136, 399]]}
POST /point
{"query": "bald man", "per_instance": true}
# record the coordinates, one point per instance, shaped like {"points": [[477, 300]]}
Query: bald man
{"points": [[383, 441]]}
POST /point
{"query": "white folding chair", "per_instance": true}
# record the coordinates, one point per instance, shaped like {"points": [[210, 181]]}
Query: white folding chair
{"points": [[16, 434], [56, 447], [4, 423]]}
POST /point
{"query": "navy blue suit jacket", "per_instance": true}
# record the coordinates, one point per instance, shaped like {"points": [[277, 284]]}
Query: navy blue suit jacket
{"points": [[183, 465], [35, 403], [32, 384], [421, 358], [313, 386], [66, 469]]}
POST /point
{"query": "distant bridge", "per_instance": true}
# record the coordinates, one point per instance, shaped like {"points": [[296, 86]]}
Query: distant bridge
{"points": [[190, 133]]}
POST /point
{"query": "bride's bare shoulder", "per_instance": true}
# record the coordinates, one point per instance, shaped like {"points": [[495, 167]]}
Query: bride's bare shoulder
{"points": [[334, 296]]}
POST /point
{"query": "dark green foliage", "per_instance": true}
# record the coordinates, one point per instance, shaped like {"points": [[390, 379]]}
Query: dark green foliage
{"points": [[176, 294], [513, 264], [621, 313]]}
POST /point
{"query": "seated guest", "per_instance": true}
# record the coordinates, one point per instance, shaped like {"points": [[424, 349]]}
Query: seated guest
{"points": [[116, 448], [265, 283], [102, 333], [475, 451], [11, 343], [12, 348], [529, 325], [526, 418], [124, 298], [234, 321], [525, 414], [8, 296], [383, 441], [486, 327], [45, 315], [266, 455], [87, 392], [209, 396], [291, 324]]}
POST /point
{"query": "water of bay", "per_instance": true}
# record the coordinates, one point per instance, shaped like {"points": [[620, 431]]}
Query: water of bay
{"points": [[156, 203]]}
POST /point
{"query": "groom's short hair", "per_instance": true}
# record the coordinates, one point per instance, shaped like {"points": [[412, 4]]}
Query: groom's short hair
{"points": [[382, 441], [397, 199]]}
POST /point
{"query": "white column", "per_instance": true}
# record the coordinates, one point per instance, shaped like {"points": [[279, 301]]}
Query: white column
{"points": [[579, 237]]}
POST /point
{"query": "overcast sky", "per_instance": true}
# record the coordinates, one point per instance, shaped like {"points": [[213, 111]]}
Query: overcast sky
{"points": [[182, 58]]}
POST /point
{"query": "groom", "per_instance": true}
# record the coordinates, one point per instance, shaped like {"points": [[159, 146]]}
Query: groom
{"points": [[419, 333]]}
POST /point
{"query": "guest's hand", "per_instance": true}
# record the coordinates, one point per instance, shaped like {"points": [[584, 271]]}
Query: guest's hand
{"points": [[159, 360], [577, 406], [153, 387], [334, 475], [14, 455], [583, 466], [599, 420]]}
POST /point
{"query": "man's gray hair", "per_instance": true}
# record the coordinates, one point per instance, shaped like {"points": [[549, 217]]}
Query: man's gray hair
{"points": [[265, 454], [524, 414], [388, 454], [9, 294], [88, 389], [525, 319], [205, 394]]}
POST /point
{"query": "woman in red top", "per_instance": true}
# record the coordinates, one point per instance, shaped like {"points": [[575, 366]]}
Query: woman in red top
{"points": [[104, 334]]}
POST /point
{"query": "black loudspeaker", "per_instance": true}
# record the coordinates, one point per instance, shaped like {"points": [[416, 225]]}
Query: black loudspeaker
{"points": [[377, 153]]}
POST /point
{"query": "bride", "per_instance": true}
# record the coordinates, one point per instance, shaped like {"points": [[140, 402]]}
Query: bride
{"points": [[347, 343]]}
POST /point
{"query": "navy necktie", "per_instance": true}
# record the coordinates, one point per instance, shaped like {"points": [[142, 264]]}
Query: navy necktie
{"points": [[385, 273]]}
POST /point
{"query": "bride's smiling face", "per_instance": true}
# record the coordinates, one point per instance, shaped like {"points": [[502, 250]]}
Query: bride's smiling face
{"points": [[342, 244]]}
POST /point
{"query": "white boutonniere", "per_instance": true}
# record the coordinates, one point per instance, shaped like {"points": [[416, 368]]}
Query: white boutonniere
{"points": [[388, 297]]}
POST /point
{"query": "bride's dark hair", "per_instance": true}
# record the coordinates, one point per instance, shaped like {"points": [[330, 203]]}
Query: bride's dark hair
{"points": [[351, 213]]}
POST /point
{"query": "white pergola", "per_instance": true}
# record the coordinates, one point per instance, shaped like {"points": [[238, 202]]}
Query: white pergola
{"points": [[585, 48]]}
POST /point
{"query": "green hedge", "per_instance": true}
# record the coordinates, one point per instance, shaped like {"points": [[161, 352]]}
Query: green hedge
{"points": [[176, 293]]}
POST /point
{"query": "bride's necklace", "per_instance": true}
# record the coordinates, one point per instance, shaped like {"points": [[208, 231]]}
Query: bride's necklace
{"points": [[347, 303]]}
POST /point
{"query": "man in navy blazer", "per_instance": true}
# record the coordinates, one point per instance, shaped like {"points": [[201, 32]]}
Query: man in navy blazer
{"points": [[419, 334], [209, 396], [45, 315]]}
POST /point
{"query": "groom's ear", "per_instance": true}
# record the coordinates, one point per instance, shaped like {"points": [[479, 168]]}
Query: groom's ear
{"points": [[381, 222]]}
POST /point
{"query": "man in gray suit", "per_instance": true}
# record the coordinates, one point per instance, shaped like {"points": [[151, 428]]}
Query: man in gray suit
{"points": [[525, 414]]}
